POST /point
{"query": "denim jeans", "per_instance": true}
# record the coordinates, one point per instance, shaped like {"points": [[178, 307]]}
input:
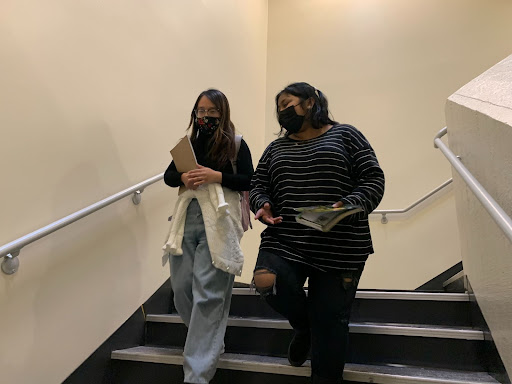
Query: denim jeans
{"points": [[324, 311], [202, 297]]}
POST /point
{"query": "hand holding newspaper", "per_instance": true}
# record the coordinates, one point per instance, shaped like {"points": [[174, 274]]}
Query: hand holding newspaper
{"points": [[324, 217]]}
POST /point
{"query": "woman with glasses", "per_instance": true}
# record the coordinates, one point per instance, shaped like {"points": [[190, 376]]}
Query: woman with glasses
{"points": [[202, 275], [316, 162]]}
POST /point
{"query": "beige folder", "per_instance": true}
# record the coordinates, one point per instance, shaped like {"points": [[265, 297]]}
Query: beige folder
{"points": [[184, 156]]}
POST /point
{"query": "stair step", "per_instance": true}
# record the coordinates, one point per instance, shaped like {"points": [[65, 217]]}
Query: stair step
{"points": [[385, 295], [370, 343], [463, 333], [377, 306], [382, 374]]}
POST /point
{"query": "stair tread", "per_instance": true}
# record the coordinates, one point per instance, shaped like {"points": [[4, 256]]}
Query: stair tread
{"points": [[386, 295], [388, 374], [422, 330]]}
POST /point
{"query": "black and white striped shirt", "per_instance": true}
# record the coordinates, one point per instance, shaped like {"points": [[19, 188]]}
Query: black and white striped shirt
{"points": [[339, 165]]}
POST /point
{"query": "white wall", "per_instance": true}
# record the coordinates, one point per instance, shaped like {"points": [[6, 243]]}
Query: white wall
{"points": [[479, 117], [92, 97], [387, 67]]}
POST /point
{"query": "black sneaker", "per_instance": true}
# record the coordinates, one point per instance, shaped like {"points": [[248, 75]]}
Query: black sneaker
{"points": [[299, 347]]}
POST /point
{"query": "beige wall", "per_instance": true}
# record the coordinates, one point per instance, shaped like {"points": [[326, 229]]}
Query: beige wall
{"points": [[479, 117], [92, 97], [387, 67]]}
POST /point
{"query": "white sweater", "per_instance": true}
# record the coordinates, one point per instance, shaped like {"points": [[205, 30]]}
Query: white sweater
{"points": [[222, 220]]}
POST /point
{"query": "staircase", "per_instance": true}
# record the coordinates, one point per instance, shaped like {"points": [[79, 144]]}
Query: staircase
{"points": [[395, 338]]}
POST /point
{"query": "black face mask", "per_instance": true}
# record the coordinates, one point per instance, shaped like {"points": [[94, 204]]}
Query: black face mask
{"points": [[207, 125], [289, 120]]}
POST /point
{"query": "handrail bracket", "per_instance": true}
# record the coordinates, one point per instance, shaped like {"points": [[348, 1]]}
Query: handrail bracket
{"points": [[137, 197], [11, 263]]}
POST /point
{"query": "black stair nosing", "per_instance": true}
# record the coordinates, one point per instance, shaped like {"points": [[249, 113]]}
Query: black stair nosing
{"points": [[385, 295], [395, 329], [379, 374]]}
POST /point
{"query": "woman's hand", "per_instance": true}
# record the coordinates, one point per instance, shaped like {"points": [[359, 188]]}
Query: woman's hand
{"points": [[265, 213], [338, 204], [189, 184], [203, 175]]}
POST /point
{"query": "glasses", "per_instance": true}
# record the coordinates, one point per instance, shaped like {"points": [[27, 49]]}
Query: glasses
{"points": [[212, 112]]}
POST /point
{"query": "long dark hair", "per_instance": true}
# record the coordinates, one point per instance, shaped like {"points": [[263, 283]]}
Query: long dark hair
{"points": [[223, 148], [318, 115]]}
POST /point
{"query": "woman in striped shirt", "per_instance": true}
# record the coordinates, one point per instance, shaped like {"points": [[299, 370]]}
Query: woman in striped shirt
{"points": [[317, 161]]}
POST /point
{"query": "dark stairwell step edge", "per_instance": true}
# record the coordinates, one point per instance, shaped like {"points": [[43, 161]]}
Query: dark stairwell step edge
{"points": [[387, 295], [274, 365], [444, 332]]}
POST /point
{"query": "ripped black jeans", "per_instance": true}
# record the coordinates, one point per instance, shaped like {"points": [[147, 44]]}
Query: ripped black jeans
{"points": [[324, 311]]}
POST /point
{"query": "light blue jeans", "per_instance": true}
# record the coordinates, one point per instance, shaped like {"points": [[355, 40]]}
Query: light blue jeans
{"points": [[202, 297]]}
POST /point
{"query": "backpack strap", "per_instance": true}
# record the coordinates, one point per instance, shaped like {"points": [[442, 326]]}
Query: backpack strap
{"points": [[238, 141], [244, 195]]}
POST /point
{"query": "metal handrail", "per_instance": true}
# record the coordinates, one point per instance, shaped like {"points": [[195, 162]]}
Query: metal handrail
{"points": [[9, 252], [384, 212], [491, 206]]}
